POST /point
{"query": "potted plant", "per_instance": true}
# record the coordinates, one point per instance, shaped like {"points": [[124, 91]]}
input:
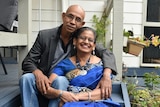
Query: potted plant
{"points": [[100, 25], [126, 35], [136, 44], [148, 96]]}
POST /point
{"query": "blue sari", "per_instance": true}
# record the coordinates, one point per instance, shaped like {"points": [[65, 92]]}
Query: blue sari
{"points": [[90, 80], [102, 103]]}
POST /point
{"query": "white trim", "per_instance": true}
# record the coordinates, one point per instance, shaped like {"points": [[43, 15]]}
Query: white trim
{"points": [[56, 12], [40, 13], [118, 35], [8, 39], [65, 4], [151, 24]]}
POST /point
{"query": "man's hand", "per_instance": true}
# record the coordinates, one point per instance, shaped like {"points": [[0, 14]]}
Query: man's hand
{"points": [[105, 84], [42, 81]]}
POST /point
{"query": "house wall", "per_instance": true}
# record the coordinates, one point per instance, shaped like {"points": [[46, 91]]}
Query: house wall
{"points": [[47, 14], [133, 19]]}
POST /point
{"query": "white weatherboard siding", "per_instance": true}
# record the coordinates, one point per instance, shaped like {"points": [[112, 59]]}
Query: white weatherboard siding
{"points": [[45, 14], [91, 8], [133, 12]]}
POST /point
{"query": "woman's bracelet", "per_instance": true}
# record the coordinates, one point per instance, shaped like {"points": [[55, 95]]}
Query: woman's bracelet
{"points": [[61, 92], [89, 95]]}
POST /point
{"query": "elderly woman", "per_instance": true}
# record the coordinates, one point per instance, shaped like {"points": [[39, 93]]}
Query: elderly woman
{"points": [[83, 70]]}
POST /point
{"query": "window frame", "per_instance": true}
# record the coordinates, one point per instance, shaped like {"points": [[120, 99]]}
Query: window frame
{"points": [[147, 24]]}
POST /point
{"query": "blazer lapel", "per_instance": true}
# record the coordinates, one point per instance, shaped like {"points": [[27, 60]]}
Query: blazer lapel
{"points": [[52, 48]]}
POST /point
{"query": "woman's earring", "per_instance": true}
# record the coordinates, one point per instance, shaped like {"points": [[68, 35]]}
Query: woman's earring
{"points": [[93, 52], [74, 45]]}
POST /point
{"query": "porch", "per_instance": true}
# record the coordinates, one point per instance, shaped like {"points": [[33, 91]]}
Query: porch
{"points": [[10, 93], [9, 88]]}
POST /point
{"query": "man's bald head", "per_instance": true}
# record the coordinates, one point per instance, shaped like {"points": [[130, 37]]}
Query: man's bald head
{"points": [[76, 8]]}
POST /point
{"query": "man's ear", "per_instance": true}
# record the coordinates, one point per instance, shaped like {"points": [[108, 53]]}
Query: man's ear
{"points": [[83, 23], [63, 15]]}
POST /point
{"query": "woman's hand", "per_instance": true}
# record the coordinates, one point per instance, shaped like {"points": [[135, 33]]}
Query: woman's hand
{"points": [[105, 84], [68, 97]]}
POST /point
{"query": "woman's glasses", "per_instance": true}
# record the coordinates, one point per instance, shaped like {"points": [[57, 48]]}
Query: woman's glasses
{"points": [[91, 40]]}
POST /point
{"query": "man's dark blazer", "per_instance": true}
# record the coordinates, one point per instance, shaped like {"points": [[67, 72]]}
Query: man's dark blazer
{"points": [[41, 54]]}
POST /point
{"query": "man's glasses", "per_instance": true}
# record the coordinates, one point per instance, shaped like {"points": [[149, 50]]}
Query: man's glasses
{"points": [[71, 17], [91, 40]]}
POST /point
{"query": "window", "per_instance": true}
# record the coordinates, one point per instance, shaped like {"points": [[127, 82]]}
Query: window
{"points": [[153, 11], [151, 54]]}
